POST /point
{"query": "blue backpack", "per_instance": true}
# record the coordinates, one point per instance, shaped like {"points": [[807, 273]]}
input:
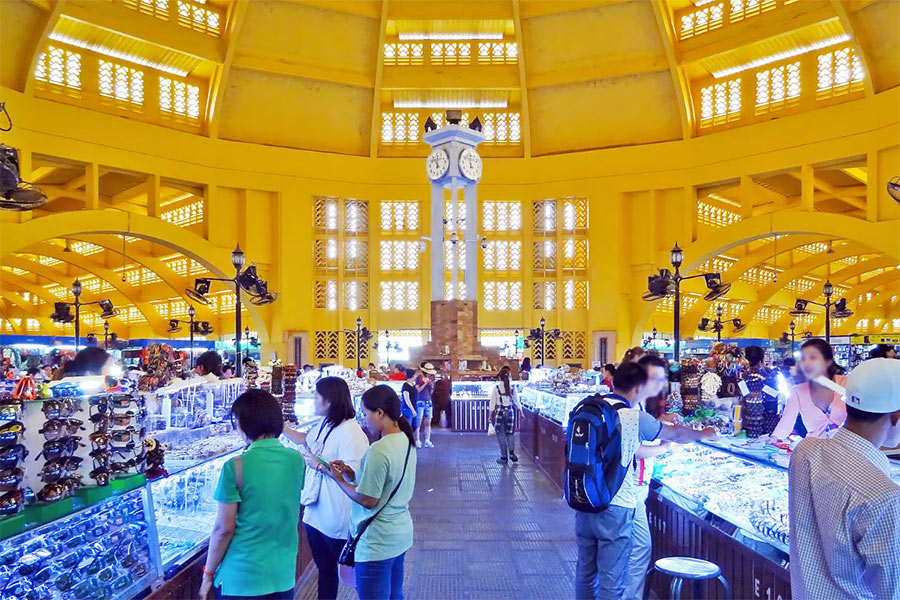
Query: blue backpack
{"points": [[594, 471]]}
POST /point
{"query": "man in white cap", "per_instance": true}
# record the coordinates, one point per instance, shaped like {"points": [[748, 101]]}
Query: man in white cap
{"points": [[844, 508]]}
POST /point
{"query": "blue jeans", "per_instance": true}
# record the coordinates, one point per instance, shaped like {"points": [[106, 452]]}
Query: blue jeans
{"points": [[325, 552], [380, 579], [604, 549]]}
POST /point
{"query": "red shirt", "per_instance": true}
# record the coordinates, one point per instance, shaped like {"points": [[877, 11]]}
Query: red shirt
{"points": [[397, 376]]}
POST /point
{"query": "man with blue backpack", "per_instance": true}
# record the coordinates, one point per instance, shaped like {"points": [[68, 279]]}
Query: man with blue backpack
{"points": [[603, 436]]}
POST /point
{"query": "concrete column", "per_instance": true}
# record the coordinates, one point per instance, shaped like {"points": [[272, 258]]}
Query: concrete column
{"points": [[472, 241], [437, 242]]}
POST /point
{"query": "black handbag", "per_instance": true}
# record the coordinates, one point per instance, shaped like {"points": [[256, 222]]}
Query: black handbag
{"points": [[348, 553]]}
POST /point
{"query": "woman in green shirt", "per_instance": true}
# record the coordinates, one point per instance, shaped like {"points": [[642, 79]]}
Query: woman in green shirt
{"points": [[253, 546], [381, 492]]}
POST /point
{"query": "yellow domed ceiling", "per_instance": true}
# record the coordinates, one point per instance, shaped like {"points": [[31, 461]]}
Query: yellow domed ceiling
{"points": [[360, 77]]}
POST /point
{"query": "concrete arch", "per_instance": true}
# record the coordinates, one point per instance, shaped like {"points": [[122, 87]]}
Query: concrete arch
{"points": [[157, 323], [755, 258], [818, 322], [169, 277], [805, 266], [879, 236], [7, 278], [873, 309], [29, 310], [15, 237]]}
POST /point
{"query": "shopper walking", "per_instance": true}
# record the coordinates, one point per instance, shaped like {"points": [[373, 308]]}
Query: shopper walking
{"points": [[604, 538], [399, 373], [641, 541], [326, 513], [253, 547], [821, 409], [379, 518], [844, 509], [409, 395], [424, 404], [503, 408]]}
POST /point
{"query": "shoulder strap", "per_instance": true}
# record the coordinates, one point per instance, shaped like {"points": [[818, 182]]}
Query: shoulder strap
{"points": [[368, 521], [239, 474]]}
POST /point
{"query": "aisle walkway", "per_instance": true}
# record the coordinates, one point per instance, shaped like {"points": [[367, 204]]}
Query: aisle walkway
{"points": [[482, 530]]}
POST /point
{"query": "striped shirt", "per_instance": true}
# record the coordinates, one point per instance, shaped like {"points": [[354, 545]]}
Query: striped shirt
{"points": [[845, 521]]}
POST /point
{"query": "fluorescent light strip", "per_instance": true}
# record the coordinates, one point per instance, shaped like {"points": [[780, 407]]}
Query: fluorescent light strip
{"points": [[773, 58], [405, 37], [444, 104], [126, 56]]}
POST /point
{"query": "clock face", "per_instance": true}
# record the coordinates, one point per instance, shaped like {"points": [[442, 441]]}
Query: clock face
{"points": [[437, 164], [470, 164]]}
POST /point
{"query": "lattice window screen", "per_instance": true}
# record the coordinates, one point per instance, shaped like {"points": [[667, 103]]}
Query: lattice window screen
{"points": [[501, 216], [574, 345], [326, 345], [544, 213], [356, 295], [544, 295], [356, 256], [544, 256]]}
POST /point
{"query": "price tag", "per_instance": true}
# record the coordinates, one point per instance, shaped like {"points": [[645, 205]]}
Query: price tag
{"points": [[742, 385], [770, 392]]}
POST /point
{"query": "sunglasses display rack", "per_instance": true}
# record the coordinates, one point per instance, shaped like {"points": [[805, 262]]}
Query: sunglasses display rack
{"points": [[106, 551], [67, 436]]}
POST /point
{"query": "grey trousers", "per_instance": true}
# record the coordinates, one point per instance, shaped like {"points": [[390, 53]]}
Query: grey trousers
{"points": [[504, 426], [604, 549], [641, 550]]}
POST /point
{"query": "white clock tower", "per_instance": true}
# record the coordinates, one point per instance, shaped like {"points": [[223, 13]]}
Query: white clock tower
{"points": [[454, 164]]}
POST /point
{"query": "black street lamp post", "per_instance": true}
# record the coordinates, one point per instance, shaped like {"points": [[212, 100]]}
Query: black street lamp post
{"points": [[837, 309], [543, 323], [62, 314], [198, 327], [669, 282], [106, 335], [718, 324], [793, 326], [246, 279]]}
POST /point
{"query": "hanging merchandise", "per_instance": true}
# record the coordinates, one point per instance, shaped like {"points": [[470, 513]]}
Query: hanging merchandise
{"points": [[690, 384], [289, 399]]}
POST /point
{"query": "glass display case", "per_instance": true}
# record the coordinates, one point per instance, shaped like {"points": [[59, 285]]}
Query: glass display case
{"points": [[103, 552], [183, 506], [471, 390], [554, 406], [185, 511], [749, 494]]}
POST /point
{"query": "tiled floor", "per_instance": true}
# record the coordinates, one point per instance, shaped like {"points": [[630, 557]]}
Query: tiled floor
{"points": [[483, 530]]}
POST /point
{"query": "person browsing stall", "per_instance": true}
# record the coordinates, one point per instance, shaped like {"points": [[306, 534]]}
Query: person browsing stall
{"points": [[424, 404], [844, 509], [326, 513], [409, 395], [381, 527], [503, 407], [821, 409], [253, 546], [604, 538], [641, 540], [209, 366]]}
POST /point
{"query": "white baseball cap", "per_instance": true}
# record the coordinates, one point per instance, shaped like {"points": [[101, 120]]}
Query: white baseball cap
{"points": [[874, 386]]}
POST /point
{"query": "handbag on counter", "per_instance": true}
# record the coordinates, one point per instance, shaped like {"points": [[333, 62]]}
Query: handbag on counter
{"points": [[347, 559]]}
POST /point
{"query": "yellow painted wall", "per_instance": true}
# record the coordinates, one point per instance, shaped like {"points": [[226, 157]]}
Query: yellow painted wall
{"points": [[261, 196]]}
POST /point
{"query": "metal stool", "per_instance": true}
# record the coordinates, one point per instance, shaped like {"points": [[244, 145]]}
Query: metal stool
{"points": [[681, 568]]}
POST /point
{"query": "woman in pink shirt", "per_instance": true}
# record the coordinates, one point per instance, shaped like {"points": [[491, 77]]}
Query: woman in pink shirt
{"points": [[820, 408]]}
